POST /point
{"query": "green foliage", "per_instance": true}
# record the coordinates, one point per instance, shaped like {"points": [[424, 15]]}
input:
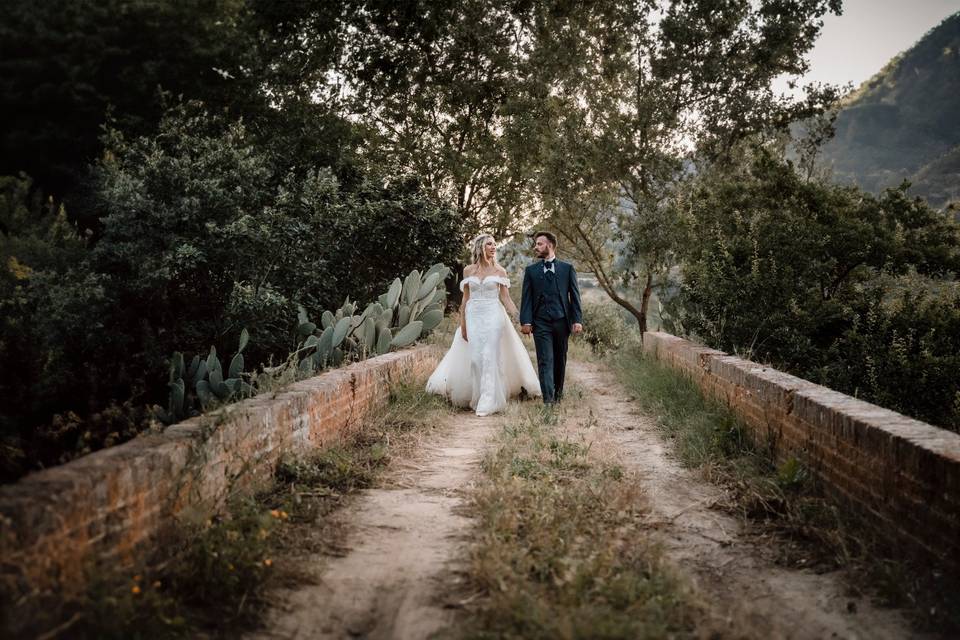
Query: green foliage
{"points": [[798, 273], [649, 80], [67, 63], [447, 81], [70, 66], [379, 328], [199, 236], [604, 328], [202, 385], [47, 306], [900, 351]]}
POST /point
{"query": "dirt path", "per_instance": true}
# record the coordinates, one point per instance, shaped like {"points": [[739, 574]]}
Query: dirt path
{"points": [[747, 593], [404, 542]]}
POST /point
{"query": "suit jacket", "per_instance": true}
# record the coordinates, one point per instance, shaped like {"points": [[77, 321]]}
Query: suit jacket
{"points": [[534, 283]]}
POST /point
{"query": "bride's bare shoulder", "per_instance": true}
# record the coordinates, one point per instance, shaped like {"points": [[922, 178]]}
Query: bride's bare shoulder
{"points": [[501, 271], [469, 270]]}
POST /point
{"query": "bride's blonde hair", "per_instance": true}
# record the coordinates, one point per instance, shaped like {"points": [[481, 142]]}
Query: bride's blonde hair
{"points": [[478, 243]]}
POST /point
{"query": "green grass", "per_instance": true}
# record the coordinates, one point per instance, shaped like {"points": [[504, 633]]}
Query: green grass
{"points": [[703, 432], [560, 550], [209, 579], [784, 500]]}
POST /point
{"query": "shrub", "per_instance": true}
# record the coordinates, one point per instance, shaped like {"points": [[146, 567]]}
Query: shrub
{"points": [[604, 328], [903, 354], [798, 274], [200, 235]]}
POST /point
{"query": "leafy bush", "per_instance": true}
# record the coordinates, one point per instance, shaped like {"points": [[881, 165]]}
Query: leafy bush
{"points": [[604, 328], [200, 239], [200, 235], [797, 273], [903, 354]]}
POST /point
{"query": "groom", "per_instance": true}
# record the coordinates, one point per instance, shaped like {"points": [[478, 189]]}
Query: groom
{"points": [[550, 310]]}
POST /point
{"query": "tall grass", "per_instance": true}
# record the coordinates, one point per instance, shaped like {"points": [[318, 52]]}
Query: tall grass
{"points": [[560, 549], [210, 577], [783, 499], [704, 433]]}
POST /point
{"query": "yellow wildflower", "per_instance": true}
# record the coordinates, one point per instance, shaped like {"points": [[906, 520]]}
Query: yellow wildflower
{"points": [[19, 270], [268, 562], [135, 590]]}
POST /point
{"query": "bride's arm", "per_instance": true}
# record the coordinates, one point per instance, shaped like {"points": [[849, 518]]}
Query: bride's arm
{"points": [[463, 312], [507, 302], [467, 272]]}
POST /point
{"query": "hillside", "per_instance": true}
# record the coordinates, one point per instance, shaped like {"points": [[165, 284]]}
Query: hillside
{"points": [[904, 123], [939, 180]]}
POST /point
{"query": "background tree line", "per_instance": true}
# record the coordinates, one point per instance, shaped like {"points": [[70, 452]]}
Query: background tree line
{"points": [[178, 171]]}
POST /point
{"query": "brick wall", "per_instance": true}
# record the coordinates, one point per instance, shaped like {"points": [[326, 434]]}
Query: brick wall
{"points": [[901, 474], [106, 506]]}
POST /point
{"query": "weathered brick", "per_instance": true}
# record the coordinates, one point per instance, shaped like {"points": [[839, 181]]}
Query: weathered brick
{"points": [[109, 505], [901, 473]]}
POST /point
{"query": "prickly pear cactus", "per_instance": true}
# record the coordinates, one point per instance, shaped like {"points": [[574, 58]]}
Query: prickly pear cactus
{"points": [[409, 310], [205, 377]]}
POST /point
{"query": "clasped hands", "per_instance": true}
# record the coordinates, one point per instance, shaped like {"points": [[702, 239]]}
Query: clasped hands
{"points": [[527, 329]]}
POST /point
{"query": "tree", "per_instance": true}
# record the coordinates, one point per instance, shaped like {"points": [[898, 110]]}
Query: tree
{"points": [[72, 67], [652, 88], [830, 283], [439, 86], [205, 231], [69, 63]]}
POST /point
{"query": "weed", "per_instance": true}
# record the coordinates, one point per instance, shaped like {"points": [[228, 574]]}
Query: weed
{"points": [[560, 550], [211, 575], [785, 499]]}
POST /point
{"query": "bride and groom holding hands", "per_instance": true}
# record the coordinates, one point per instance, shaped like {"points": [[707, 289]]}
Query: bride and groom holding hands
{"points": [[487, 362]]}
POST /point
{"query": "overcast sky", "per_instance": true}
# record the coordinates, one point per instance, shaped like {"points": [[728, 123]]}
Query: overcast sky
{"points": [[854, 46]]}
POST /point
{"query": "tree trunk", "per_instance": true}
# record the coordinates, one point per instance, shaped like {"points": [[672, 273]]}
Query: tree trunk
{"points": [[645, 302], [639, 314]]}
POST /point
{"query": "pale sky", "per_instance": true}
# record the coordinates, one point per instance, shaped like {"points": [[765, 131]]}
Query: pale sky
{"points": [[854, 46]]}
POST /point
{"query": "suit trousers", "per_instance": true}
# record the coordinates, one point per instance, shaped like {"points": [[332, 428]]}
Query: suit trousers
{"points": [[550, 338]]}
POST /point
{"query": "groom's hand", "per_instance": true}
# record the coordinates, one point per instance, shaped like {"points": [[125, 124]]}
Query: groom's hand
{"points": [[526, 329], [577, 327]]}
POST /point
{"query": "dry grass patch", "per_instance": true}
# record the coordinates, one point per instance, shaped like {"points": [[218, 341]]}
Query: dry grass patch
{"points": [[784, 500], [211, 578], [560, 549]]}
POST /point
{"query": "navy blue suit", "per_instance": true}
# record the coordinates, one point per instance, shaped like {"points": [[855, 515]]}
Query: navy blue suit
{"points": [[550, 301]]}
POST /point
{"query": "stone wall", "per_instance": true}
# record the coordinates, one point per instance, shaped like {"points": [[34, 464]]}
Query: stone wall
{"points": [[107, 506], [901, 474]]}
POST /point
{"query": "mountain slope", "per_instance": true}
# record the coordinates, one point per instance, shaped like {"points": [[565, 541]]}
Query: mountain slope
{"points": [[904, 118]]}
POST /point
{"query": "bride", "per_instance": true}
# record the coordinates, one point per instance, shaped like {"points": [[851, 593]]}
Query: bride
{"points": [[487, 362]]}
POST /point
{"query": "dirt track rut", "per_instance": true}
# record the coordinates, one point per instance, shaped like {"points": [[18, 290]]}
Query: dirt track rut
{"points": [[406, 543]]}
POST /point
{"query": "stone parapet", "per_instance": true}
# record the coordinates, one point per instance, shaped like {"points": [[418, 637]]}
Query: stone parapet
{"points": [[900, 474], [106, 507]]}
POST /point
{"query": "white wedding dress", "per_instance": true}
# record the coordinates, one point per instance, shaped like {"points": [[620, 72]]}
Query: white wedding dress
{"points": [[492, 364]]}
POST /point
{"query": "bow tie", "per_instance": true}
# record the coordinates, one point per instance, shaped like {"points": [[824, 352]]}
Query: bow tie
{"points": [[548, 265]]}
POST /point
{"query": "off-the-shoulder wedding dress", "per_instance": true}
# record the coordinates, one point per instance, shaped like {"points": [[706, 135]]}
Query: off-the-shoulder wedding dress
{"points": [[492, 365]]}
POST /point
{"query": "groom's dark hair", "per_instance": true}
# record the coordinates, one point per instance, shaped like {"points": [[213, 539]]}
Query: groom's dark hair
{"points": [[552, 239]]}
